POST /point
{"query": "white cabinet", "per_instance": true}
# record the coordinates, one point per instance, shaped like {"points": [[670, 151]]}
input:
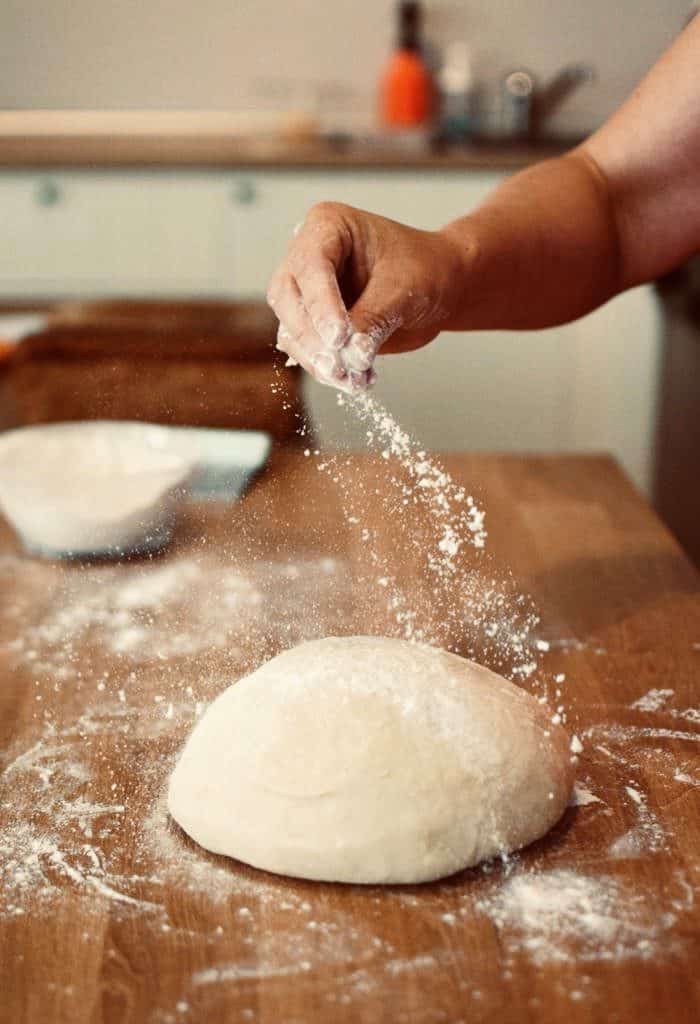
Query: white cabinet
{"points": [[104, 233], [588, 386]]}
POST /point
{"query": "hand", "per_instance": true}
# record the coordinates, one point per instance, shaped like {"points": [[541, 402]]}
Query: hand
{"points": [[352, 283]]}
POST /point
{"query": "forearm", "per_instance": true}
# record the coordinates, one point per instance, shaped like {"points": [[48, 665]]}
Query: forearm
{"points": [[559, 239], [542, 250]]}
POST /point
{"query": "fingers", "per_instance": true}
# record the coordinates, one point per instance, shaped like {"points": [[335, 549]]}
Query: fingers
{"points": [[297, 337], [314, 325], [318, 285], [315, 259], [375, 317]]}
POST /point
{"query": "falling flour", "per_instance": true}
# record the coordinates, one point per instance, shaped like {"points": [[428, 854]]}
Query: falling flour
{"points": [[468, 606]]}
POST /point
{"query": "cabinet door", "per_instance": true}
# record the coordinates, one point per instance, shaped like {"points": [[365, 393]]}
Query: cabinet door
{"points": [[104, 233]]}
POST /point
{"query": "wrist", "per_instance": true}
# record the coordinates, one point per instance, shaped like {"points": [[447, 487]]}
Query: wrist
{"points": [[461, 242]]}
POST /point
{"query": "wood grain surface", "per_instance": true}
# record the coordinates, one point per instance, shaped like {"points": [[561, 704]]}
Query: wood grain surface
{"points": [[109, 913]]}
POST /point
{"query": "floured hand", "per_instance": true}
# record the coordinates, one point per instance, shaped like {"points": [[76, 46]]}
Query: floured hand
{"points": [[353, 283]]}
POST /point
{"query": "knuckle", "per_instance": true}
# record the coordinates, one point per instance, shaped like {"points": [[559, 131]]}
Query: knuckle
{"points": [[324, 210]]}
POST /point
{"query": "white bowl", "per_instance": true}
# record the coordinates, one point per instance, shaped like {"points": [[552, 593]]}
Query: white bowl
{"points": [[95, 488]]}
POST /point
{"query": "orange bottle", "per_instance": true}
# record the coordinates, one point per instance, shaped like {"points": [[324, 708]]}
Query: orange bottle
{"points": [[406, 90]]}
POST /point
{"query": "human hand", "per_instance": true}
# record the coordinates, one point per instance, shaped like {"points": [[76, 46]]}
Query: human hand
{"points": [[352, 283]]}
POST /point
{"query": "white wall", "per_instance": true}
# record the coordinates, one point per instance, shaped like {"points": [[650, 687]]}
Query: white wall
{"points": [[243, 53]]}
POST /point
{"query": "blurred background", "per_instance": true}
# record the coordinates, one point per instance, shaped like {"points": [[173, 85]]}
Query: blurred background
{"points": [[155, 157]]}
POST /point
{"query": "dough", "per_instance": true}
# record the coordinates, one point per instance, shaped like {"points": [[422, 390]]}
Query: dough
{"points": [[366, 759]]}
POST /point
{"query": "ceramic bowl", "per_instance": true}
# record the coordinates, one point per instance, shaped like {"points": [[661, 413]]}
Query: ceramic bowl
{"points": [[97, 488]]}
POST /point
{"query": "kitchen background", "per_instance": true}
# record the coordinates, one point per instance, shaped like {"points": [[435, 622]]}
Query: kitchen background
{"points": [[232, 54], [86, 213]]}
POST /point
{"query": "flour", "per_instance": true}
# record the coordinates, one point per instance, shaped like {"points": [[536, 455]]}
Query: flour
{"points": [[460, 602], [653, 700], [582, 797], [628, 734], [647, 836], [564, 916], [688, 714], [163, 612]]}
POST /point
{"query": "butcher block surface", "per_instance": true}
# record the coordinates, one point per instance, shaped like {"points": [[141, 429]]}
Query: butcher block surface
{"points": [[108, 912]]}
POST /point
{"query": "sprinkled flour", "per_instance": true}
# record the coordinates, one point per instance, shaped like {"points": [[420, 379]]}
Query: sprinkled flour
{"points": [[165, 611], [563, 915], [653, 700], [469, 607]]}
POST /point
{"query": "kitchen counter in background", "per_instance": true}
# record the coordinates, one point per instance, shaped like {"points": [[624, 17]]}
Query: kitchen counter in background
{"points": [[82, 138]]}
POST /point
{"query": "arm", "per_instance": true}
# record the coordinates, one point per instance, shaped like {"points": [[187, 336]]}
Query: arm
{"points": [[550, 244]]}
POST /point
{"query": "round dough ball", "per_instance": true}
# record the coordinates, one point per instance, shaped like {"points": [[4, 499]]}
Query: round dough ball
{"points": [[366, 759]]}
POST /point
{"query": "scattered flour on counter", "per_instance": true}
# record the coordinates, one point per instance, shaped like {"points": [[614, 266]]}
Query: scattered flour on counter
{"points": [[575, 745], [656, 700], [629, 735], [422, 962], [566, 916], [653, 700], [687, 714], [238, 972], [163, 612], [647, 836], [582, 797], [639, 751]]}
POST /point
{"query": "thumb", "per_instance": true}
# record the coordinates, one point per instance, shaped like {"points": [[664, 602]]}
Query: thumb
{"points": [[373, 320]]}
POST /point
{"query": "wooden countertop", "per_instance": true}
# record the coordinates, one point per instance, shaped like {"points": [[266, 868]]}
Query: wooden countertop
{"points": [[108, 913], [112, 138]]}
